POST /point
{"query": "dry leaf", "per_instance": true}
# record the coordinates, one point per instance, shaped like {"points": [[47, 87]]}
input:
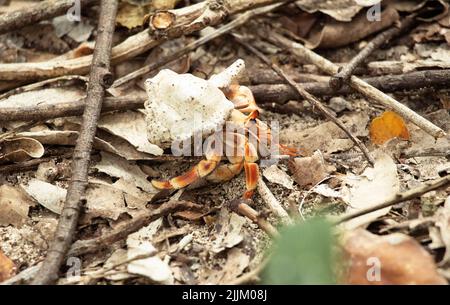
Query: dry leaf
{"points": [[14, 206], [153, 267], [20, 149], [7, 267], [386, 127], [131, 16], [390, 259], [443, 224], [235, 264], [326, 137], [337, 34], [48, 195], [104, 201], [342, 10], [275, 175], [228, 231], [131, 126], [120, 168], [309, 170], [374, 186]]}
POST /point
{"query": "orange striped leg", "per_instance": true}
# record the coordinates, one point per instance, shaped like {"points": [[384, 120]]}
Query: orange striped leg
{"points": [[251, 170], [202, 169]]}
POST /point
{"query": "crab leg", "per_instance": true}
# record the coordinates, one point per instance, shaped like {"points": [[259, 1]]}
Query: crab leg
{"points": [[202, 169]]}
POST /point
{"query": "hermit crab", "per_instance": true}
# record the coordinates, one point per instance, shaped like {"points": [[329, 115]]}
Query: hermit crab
{"points": [[219, 114]]}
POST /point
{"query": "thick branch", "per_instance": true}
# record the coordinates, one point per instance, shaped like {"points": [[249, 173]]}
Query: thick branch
{"points": [[100, 77], [280, 93], [264, 93]]}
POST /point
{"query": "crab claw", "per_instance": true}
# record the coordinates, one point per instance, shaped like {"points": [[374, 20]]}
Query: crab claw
{"points": [[242, 98]]}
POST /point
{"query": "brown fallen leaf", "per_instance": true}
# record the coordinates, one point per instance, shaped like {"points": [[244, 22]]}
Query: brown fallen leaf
{"points": [[14, 206], [7, 267], [189, 215], [309, 170], [326, 137], [335, 33], [386, 127], [394, 259]]}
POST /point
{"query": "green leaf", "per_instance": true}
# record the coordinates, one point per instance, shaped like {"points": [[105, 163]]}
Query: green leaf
{"points": [[303, 254]]}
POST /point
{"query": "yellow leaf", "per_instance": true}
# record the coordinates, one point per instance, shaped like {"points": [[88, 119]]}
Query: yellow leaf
{"points": [[386, 127]]}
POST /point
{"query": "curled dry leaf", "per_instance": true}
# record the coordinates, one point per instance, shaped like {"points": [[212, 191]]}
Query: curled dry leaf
{"points": [[47, 96], [388, 126], [20, 149], [389, 259], [67, 137], [14, 206], [335, 33], [7, 267]]}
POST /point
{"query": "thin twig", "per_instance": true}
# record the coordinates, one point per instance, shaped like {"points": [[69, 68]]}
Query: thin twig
{"points": [[100, 77], [34, 13], [358, 84], [397, 198], [309, 97], [274, 205], [343, 76], [240, 20]]}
